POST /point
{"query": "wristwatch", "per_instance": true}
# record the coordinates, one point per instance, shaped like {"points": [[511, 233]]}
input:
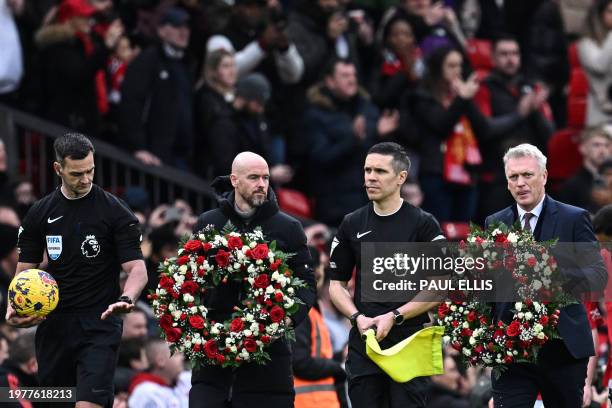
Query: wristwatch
{"points": [[354, 317], [126, 299], [398, 317]]}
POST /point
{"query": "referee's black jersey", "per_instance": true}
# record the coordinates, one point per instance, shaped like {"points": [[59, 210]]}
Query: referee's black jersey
{"points": [[408, 224], [86, 240]]}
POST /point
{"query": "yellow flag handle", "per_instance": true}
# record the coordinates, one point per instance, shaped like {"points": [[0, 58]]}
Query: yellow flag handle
{"points": [[373, 329]]}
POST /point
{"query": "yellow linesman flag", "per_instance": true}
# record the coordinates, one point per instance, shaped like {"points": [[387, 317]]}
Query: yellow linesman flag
{"points": [[417, 356]]}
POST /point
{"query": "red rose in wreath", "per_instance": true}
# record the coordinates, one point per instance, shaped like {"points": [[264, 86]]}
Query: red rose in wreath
{"points": [[197, 322], [250, 345], [234, 242], [222, 258], [260, 251], [192, 245], [277, 314], [237, 325]]}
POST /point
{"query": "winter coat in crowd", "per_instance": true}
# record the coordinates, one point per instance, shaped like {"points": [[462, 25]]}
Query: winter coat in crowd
{"points": [[155, 113], [70, 61], [334, 149]]}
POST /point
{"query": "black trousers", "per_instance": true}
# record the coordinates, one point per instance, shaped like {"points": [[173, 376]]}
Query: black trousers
{"points": [[251, 385], [557, 376], [220, 396], [380, 391]]}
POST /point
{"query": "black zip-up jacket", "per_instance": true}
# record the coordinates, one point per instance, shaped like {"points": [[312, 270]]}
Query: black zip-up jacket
{"points": [[275, 376]]}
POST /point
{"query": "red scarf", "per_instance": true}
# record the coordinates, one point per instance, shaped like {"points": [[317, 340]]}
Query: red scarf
{"points": [[99, 79]]}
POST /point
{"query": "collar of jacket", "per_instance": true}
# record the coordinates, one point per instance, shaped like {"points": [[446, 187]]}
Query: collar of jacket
{"points": [[226, 199], [320, 96], [515, 81]]}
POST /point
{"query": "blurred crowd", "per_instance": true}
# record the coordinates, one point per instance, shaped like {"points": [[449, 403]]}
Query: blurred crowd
{"points": [[310, 85]]}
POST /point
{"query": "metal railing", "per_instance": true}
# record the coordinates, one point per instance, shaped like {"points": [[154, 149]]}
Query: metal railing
{"points": [[29, 143]]}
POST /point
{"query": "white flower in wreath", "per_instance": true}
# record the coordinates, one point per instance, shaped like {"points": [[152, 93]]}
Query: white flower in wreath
{"points": [[496, 232], [537, 328], [446, 339], [472, 341], [270, 290], [521, 315], [518, 306], [229, 341], [528, 316], [466, 325], [453, 308], [288, 303], [214, 331], [541, 335], [188, 298], [467, 352], [253, 244], [537, 307], [248, 333], [547, 271], [536, 284], [513, 238], [290, 291], [233, 349]]}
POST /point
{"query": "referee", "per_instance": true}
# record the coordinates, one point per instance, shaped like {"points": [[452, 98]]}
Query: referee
{"points": [[387, 218], [89, 235]]}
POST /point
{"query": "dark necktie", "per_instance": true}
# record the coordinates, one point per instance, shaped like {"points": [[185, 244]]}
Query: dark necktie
{"points": [[527, 223]]}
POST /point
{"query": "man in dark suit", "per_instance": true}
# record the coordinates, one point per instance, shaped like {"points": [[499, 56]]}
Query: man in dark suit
{"points": [[561, 370]]}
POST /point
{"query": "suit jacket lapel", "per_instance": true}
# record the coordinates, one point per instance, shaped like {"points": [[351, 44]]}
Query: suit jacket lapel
{"points": [[547, 221]]}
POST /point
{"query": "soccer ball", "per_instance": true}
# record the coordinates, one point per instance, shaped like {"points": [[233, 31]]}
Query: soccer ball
{"points": [[33, 293]]}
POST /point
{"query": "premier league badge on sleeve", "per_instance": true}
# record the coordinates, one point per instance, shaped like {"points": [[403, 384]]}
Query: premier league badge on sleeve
{"points": [[54, 246]]}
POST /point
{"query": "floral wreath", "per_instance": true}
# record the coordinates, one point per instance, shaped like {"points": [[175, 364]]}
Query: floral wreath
{"points": [[209, 259], [469, 327]]}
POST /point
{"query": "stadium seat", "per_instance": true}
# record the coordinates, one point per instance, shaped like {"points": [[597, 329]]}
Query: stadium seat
{"points": [[479, 54], [576, 98], [455, 231], [294, 202], [564, 159], [572, 55]]}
